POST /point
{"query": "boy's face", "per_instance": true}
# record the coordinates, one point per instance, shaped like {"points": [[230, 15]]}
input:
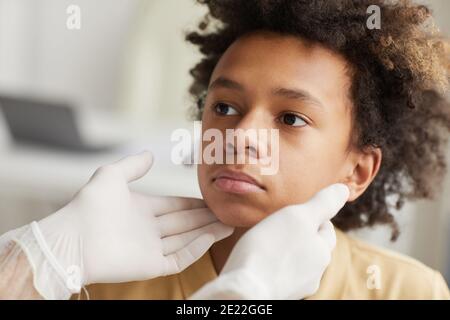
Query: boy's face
{"points": [[258, 76]]}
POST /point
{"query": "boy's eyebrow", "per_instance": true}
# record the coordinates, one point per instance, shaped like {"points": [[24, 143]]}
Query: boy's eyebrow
{"points": [[226, 83], [297, 94], [290, 93]]}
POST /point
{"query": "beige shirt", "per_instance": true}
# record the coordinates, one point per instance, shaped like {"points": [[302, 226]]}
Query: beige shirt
{"points": [[357, 271]]}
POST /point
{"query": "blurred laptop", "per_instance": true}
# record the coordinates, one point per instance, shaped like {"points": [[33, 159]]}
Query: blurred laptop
{"points": [[46, 123]]}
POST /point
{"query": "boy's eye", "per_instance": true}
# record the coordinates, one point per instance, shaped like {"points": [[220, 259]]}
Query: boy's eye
{"points": [[293, 120], [225, 109]]}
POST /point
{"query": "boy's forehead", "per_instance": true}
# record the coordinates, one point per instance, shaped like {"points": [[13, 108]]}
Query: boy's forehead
{"points": [[266, 60]]}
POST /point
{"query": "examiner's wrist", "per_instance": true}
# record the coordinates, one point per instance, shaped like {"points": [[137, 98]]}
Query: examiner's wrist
{"points": [[61, 234], [49, 279]]}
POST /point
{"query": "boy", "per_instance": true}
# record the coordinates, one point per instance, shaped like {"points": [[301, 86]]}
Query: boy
{"points": [[351, 105], [360, 106]]}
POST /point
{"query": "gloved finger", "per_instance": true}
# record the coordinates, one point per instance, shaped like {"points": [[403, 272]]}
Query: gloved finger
{"points": [[328, 234], [136, 166], [325, 204], [184, 221], [161, 205], [177, 242], [183, 258]]}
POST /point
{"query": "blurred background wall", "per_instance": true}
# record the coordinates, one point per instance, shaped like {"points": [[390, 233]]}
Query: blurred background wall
{"points": [[128, 64]]}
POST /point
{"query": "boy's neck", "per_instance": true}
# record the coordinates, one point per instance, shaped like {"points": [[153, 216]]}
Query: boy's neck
{"points": [[222, 249]]}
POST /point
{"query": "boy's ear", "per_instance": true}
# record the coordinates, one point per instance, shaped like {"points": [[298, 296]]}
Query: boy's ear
{"points": [[364, 167]]}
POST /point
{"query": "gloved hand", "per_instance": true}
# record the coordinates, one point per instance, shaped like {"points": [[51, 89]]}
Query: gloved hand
{"points": [[108, 233], [285, 255]]}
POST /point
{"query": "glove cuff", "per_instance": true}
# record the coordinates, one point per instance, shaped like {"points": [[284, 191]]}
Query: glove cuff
{"points": [[50, 278]]}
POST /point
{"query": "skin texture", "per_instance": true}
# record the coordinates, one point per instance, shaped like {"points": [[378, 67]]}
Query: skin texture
{"points": [[314, 152]]}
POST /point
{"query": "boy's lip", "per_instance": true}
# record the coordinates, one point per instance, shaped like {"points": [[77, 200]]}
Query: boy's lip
{"points": [[236, 182]]}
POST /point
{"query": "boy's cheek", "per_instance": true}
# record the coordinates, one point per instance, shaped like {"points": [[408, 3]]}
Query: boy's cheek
{"points": [[297, 181], [246, 211]]}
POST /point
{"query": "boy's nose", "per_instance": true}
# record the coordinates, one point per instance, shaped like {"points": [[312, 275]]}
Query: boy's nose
{"points": [[248, 136], [233, 149]]}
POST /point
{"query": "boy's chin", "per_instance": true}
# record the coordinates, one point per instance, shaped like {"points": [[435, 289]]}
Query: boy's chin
{"points": [[238, 218]]}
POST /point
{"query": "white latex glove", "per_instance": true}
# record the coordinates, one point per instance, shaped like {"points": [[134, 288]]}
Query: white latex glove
{"points": [[285, 255], [109, 234]]}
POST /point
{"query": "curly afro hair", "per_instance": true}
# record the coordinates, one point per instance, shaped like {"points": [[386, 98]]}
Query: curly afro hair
{"points": [[399, 81]]}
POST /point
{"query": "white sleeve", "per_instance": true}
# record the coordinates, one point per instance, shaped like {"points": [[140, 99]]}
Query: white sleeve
{"points": [[235, 285], [25, 269]]}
